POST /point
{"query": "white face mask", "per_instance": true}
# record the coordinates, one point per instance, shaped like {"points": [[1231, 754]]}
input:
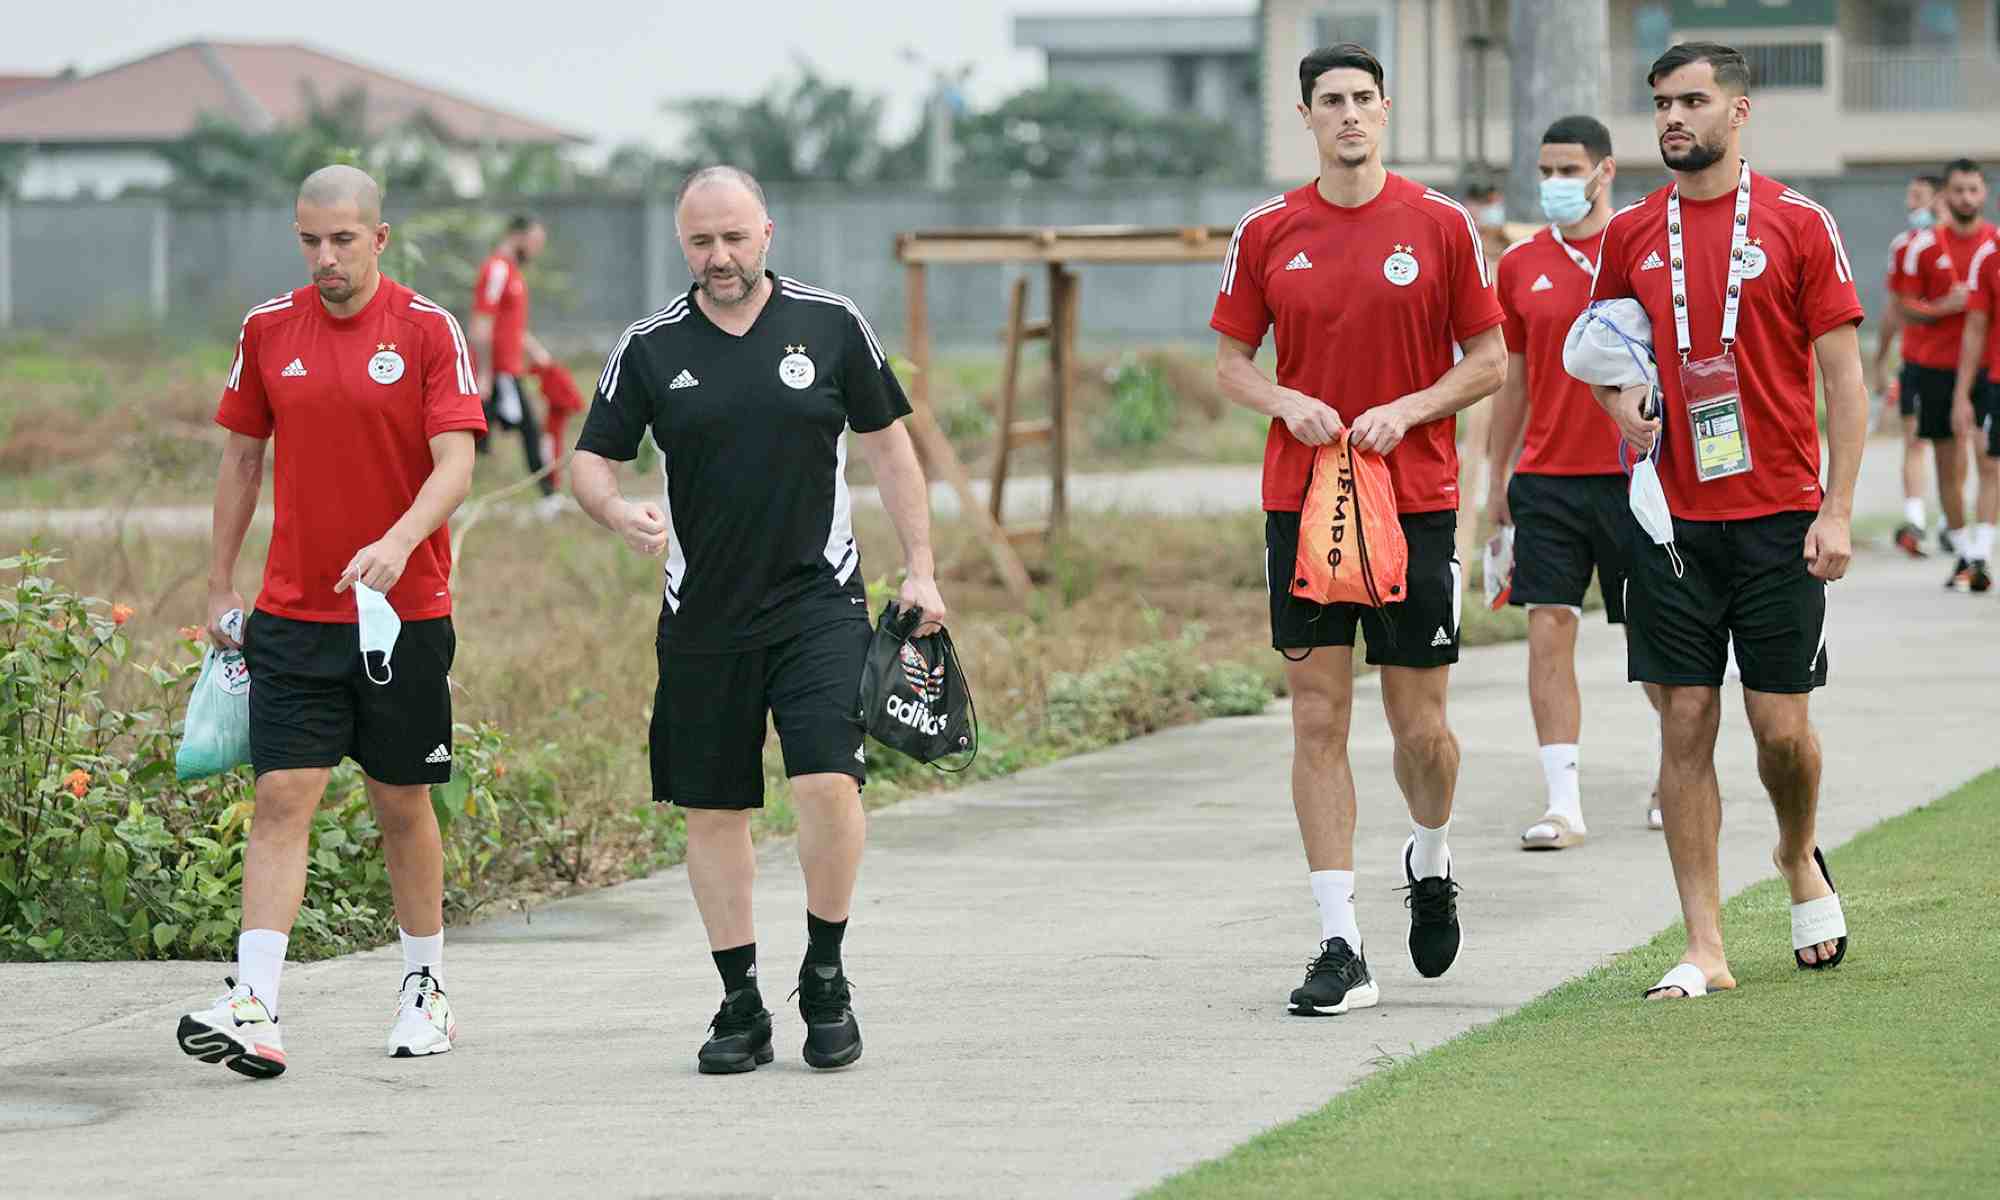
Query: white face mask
{"points": [[1649, 505], [379, 627]]}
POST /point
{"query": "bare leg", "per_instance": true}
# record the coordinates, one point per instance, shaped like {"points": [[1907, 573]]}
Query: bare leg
{"points": [[1426, 752], [1788, 761], [832, 828], [414, 854], [1950, 453], [1913, 461], [1657, 697], [1552, 690], [274, 861], [1322, 688], [1691, 802], [722, 867], [1988, 506]]}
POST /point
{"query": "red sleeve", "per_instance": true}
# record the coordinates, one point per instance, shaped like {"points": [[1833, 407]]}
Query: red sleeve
{"points": [[244, 408], [1474, 307], [1512, 326], [1908, 280], [1895, 267], [1609, 281], [1240, 311], [1985, 276], [491, 286], [1827, 299], [450, 399]]}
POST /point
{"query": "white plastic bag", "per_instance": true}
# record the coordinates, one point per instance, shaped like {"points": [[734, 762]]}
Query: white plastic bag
{"points": [[1497, 565], [216, 736]]}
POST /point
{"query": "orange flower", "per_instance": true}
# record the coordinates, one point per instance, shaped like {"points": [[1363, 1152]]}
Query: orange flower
{"points": [[190, 633], [59, 622], [78, 782], [499, 770], [121, 613]]}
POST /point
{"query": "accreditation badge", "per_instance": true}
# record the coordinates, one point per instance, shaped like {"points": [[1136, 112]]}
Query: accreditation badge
{"points": [[1715, 415]]}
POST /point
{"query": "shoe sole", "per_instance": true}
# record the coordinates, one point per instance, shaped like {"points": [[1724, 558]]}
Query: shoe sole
{"points": [[211, 1045], [443, 1047], [737, 1066], [1367, 995], [833, 1062]]}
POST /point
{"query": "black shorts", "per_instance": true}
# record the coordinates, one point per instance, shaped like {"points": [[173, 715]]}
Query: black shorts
{"points": [[1986, 410], [709, 715], [1421, 631], [1565, 526], [1932, 388], [312, 703], [1744, 582]]}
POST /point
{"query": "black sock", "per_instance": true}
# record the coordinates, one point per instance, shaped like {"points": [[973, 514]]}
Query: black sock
{"points": [[738, 965], [823, 940]]}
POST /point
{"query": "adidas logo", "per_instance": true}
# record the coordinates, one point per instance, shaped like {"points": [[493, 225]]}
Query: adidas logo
{"points": [[1652, 263], [1541, 284], [684, 379], [439, 755], [1442, 638], [295, 371], [861, 755], [1299, 262]]}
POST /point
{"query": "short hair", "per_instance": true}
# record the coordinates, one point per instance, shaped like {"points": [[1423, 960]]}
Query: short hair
{"points": [[1933, 182], [1588, 132], [1731, 70], [720, 171], [522, 222], [332, 186], [1330, 58], [1961, 166]]}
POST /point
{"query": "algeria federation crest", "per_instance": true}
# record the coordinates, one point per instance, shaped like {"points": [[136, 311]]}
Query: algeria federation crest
{"points": [[387, 365], [1754, 258], [1401, 268], [795, 369]]}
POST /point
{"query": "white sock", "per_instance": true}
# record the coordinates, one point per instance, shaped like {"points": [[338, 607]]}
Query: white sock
{"points": [[1913, 511], [260, 958], [424, 953], [1559, 768], [1430, 858], [1982, 542], [1961, 544], [1333, 891]]}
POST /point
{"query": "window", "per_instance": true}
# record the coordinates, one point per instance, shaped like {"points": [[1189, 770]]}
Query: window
{"points": [[1917, 23], [1788, 65], [1183, 81], [1369, 23]]}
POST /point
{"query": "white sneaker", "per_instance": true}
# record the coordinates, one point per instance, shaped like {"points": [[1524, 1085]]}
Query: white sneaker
{"points": [[424, 1024], [551, 506], [236, 1031]]}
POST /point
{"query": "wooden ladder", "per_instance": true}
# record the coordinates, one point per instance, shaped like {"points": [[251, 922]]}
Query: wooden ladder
{"points": [[1059, 330]]}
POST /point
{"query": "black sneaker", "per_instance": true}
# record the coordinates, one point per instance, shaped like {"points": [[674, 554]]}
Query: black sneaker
{"points": [[826, 1003], [1910, 540], [1945, 544], [741, 1040], [1981, 580], [1336, 981], [1961, 576], [1433, 905]]}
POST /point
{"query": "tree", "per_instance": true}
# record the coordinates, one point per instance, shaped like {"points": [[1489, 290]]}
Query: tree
{"points": [[1066, 132], [1558, 51], [804, 129], [220, 159]]}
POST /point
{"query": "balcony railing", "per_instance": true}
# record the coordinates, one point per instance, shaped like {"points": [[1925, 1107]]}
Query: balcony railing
{"points": [[1884, 80]]}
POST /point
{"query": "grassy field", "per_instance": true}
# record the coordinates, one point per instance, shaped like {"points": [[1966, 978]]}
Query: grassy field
{"points": [[1875, 1079]]}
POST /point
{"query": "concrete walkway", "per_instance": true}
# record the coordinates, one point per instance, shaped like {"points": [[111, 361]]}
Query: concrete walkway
{"points": [[1071, 982]]}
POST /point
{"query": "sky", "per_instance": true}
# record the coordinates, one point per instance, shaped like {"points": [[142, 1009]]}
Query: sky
{"points": [[600, 68]]}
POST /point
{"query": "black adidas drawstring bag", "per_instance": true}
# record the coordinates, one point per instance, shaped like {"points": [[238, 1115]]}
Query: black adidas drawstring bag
{"points": [[914, 697]]}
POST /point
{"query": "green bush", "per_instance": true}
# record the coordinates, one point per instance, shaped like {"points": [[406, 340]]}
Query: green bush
{"points": [[1141, 410], [1147, 688], [104, 854]]}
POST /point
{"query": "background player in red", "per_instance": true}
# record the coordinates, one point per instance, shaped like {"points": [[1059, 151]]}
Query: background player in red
{"points": [[1933, 290], [501, 343], [1747, 286], [366, 390], [1975, 399], [1566, 500], [1920, 209], [1369, 282]]}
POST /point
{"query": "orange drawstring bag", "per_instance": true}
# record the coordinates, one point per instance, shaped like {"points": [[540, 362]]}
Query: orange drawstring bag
{"points": [[1351, 546]]}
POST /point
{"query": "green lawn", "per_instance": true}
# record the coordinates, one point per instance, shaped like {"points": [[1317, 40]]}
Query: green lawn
{"points": [[1876, 1079]]}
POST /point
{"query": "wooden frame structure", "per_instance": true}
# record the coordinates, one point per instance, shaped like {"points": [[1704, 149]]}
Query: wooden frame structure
{"points": [[1056, 248]]}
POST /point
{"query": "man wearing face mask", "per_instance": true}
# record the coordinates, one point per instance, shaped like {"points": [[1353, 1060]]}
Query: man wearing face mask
{"points": [[366, 390], [750, 384], [1566, 500], [1747, 288], [1920, 205]]}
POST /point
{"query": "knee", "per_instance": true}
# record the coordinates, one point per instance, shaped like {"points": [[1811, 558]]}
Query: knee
{"points": [[1786, 750], [1688, 718], [406, 810], [285, 804], [1319, 722]]}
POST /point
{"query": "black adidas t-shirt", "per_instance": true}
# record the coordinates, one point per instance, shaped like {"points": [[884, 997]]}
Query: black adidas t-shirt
{"points": [[760, 544]]}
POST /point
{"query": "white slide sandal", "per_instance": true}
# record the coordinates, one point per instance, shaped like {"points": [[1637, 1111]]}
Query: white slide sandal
{"points": [[1687, 977], [1818, 921]]}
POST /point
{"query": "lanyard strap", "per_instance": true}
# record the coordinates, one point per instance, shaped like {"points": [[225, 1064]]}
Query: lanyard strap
{"points": [[1576, 256], [1733, 295]]}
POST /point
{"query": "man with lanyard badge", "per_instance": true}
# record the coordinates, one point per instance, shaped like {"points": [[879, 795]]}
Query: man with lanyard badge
{"points": [[1748, 284]]}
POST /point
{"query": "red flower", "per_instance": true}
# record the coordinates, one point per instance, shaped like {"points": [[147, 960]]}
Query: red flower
{"points": [[121, 613], [190, 633], [78, 782]]}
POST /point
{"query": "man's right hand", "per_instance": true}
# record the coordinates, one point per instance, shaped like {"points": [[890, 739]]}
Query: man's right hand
{"points": [[220, 602], [1963, 422], [1311, 422], [1498, 514], [1953, 302], [642, 525], [1637, 430]]}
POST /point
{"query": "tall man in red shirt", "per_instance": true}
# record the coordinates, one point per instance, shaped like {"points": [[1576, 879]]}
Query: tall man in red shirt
{"points": [[1369, 281], [1566, 500], [366, 389], [1746, 284], [1975, 399], [1920, 208], [501, 344], [1933, 290]]}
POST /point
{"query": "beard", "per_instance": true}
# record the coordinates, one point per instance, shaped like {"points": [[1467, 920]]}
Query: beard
{"points": [[1698, 156], [744, 278], [1964, 216], [339, 293]]}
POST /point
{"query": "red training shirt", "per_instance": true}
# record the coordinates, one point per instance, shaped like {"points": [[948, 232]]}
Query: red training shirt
{"points": [[350, 404], [1368, 304], [501, 292], [1934, 262], [1804, 288], [1542, 289], [1985, 297], [1891, 285]]}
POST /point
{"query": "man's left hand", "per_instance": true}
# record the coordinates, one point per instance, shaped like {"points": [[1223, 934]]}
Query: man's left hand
{"points": [[1380, 429], [1828, 547], [378, 565], [921, 592]]}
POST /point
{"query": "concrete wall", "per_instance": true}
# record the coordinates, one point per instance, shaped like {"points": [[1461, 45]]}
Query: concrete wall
{"points": [[60, 174]]}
